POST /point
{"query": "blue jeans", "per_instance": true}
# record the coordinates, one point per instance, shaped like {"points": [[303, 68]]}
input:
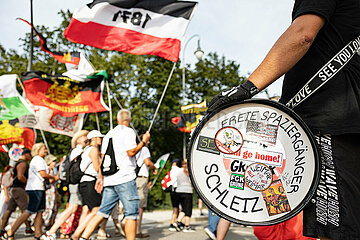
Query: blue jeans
{"points": [[127, 193], [36, 201], [213, 222]]}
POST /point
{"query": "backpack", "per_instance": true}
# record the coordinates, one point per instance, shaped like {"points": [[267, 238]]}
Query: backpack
{"points": [[7, 179], [166, 183], [108, 166], [137, 169], [64, 165], [74, 173]]}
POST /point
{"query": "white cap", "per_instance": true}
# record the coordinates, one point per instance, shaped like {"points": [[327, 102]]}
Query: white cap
{"points": [[94, 133]]}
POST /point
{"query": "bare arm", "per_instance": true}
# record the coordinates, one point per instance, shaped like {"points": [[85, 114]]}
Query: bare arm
{"points": [[21, 168], [99, 182], [134, 151], [44, 175], [94, 156], [288, 50]]}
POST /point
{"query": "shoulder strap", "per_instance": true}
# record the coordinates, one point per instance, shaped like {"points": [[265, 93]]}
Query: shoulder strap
{"points": [[328, 71]]}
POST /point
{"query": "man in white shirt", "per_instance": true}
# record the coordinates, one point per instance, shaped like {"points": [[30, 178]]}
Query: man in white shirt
{"points": [[122, 184], [143, 161]]}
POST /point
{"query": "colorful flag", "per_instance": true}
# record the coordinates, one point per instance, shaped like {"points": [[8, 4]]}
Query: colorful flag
{"points": [[162, 160], [12, 105], [63, 57], [10, 132], [136, 27], [190, 115], [80, 72], [64, 95], [45, 119]]}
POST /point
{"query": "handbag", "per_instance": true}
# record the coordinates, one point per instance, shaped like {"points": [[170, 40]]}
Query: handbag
{"points": [[47, 184]]}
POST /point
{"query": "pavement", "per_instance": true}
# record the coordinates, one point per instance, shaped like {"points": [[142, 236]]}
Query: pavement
{"points": [[156, 223]]}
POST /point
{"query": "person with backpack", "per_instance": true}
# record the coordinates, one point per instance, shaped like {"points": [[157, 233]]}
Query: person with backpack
{"points": [[89, 166], [117, 176], [143, 163], [78, 142], [16, 183], [35, 189]]}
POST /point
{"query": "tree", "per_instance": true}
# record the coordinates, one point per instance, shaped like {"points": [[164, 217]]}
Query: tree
{"points": [[137, 82]]}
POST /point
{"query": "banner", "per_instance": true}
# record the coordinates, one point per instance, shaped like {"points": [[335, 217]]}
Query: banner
{"points": [[64, 95], [135, 27], [4, 148], [12, 105], [190, 115], [10, 132], [45, 119], [162, 160], [63, 57]]}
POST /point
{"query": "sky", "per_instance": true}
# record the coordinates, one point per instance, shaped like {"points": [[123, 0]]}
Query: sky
{"points": [[240, 30]]}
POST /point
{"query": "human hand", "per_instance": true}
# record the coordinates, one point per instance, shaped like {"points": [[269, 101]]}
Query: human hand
{"points": [[242, 92], [149, 185], [146, 137], [99, 185], [155, 171]]}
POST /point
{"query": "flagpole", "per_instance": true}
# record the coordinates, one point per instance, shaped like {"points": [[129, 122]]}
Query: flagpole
{"points": [[29, 68], [158, 174], [162, 96], [97, 122], [109, 100]]}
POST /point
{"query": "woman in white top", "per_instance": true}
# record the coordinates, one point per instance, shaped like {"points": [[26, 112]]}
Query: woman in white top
{"points": [[90, 165], [184, 192], [38, 171]]}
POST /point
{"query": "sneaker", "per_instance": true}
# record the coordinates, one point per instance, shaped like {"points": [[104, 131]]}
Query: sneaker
{"points": [[172, 228], [210, 234], [188, 229], [48, 236], [177, 227], [181, 225], [28, 231]]}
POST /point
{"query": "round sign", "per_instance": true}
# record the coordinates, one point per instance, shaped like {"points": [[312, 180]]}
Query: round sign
{"points": [[254, 162], [15, 153]]}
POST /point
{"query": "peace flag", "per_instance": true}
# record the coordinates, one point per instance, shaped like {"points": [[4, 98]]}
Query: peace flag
{"points": [[64, 95], [63, 57], [12, 105], [133, 26], [190, 115]]}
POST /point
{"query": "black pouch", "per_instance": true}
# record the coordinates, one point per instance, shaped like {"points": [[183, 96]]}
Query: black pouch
{"points": [[109, 166]]}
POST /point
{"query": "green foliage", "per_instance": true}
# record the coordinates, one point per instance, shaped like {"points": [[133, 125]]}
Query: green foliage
{"points": [[137, 82]]}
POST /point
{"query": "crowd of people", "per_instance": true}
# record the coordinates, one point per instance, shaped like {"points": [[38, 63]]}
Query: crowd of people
{"points": [[98, 194]]}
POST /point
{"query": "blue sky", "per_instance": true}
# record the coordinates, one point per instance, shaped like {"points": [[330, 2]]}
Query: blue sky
{"points": [[240, 30]]}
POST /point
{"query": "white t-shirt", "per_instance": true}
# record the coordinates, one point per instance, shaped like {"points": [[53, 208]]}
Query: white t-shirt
{"points": [[35, 181], [183, 182], [141, 156], [76, 152], [87, 166], [173, 175], [124, 139]]}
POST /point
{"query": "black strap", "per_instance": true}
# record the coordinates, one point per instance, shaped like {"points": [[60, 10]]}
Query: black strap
{"points": [[328, 71]]}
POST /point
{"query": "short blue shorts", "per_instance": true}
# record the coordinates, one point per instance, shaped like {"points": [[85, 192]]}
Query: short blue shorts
{"points": [[127, 193], [36, 201]]}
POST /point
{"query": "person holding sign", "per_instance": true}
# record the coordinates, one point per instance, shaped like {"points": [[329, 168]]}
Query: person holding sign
{"points": [[321, 44]]}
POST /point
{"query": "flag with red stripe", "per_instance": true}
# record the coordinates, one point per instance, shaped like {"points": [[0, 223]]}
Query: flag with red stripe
{"points": [[63, 57], [10, 132], [137, 27], [190, 115], [64, 95]]}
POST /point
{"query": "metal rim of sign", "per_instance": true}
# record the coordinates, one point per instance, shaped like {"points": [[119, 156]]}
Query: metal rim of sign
{"points": [[309, 135]]}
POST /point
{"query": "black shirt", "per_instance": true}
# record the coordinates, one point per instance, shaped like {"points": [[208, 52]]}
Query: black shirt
{"points": [[335, 107], [17, 182]]}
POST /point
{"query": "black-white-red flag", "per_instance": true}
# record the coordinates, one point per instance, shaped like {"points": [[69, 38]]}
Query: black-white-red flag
{"points": [[154, 27]]}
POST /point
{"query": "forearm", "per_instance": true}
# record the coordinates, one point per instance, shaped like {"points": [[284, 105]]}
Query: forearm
{"points": [[134, 151]]}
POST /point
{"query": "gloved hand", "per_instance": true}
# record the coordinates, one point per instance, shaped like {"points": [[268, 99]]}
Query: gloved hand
{"points": [[241, 92]]}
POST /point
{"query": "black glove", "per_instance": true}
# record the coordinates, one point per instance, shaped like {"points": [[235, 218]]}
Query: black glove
{"points": [[241, 92]]}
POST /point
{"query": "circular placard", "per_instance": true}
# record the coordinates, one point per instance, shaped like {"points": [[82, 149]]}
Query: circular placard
{"points": [[254, 162]]}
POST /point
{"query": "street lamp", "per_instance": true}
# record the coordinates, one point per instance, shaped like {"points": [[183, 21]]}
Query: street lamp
{"points": [[199, 54]]}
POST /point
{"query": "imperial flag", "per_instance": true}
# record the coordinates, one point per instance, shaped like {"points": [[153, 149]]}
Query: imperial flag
{"points": [[190, 115], [133, 26], [63, 57], [12, 105], [64, 95]]}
